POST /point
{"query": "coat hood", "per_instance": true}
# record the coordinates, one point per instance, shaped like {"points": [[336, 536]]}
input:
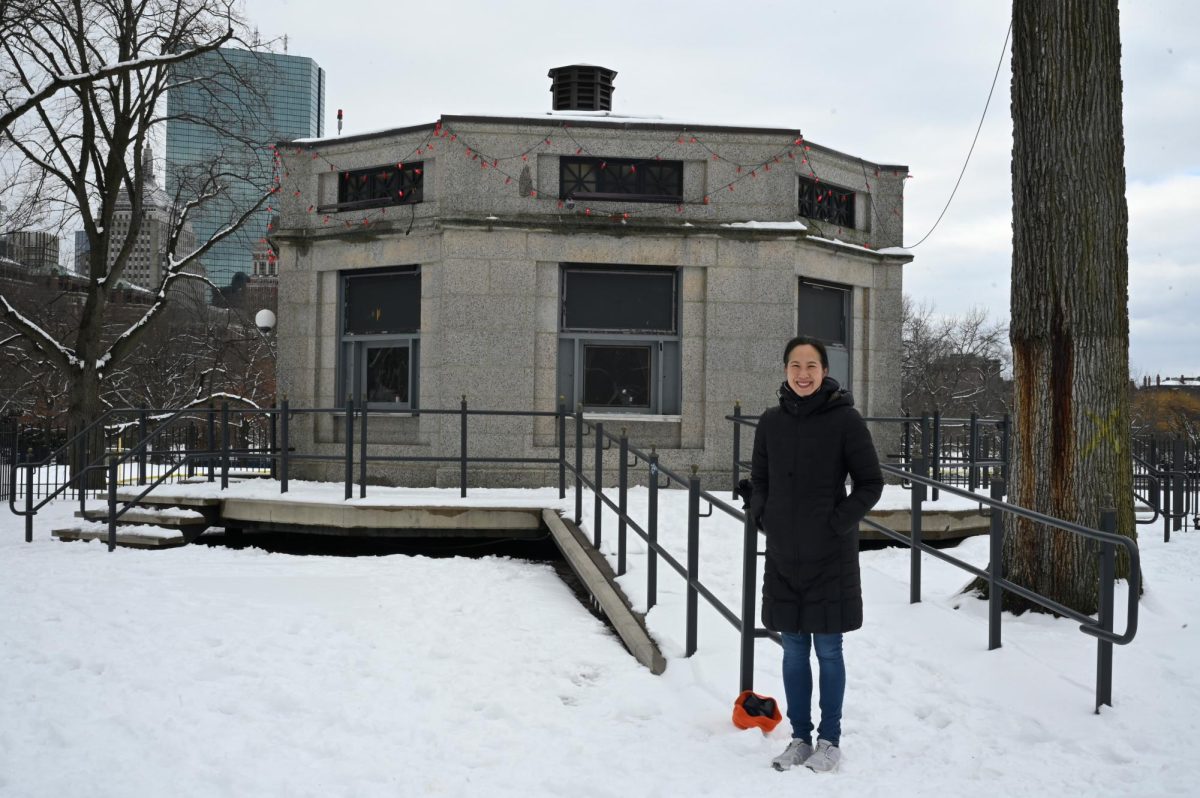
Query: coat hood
{"points": [[827, 397]]}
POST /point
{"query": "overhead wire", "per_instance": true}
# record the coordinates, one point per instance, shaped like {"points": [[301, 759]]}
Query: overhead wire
{"points": [[974, 141]]}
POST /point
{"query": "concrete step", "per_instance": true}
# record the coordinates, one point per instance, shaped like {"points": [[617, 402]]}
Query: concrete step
{"points": [[164, 496], [140, 537], [166, 517]]}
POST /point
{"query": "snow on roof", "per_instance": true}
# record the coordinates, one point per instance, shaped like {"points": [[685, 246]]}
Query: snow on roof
{"points": [[882, 251], [566, 116], [793, 225]]}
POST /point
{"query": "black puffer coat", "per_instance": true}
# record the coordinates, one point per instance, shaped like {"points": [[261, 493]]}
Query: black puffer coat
{"points": [[803, 451]]}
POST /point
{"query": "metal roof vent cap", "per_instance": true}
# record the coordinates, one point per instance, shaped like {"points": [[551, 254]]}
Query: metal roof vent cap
{"points": [[582, 87]]}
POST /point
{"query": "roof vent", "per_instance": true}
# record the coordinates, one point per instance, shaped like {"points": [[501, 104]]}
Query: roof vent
{"points": [[582, 87]]}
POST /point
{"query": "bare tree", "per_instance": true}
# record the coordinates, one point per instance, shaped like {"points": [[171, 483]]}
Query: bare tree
{"points": [[1070, 322], [83, 150], [955, 363]]}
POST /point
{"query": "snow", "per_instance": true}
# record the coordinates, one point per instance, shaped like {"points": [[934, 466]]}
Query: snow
{"points": [[847, 245], [558, 116], [768, 225], [202, 671]]}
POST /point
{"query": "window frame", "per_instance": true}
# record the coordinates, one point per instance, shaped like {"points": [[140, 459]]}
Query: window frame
{"points": [[639, 180], [410, 181], [847, 344], [353, 348], [666, 361], [809, 193]]}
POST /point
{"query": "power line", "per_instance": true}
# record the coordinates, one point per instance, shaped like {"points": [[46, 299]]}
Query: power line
{"points": [[958, 182]]}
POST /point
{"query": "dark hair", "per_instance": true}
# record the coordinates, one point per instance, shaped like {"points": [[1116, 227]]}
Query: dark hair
{"points": [[804, 340]]}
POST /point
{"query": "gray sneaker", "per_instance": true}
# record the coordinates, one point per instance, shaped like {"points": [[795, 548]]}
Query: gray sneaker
{"points": [[825, 759], [797, 753]]}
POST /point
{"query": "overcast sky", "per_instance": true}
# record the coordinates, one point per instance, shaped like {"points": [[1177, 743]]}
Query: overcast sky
{"points": [[892, 82]]}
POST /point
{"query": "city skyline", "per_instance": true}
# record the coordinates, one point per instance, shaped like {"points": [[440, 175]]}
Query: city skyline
{"points": [[245, 102]]}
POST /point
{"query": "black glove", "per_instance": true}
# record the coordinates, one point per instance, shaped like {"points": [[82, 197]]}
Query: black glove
{"points": [[745, 489]]}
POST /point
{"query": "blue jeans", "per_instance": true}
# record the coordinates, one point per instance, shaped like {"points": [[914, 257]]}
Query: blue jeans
{"points": [[798, 683]]}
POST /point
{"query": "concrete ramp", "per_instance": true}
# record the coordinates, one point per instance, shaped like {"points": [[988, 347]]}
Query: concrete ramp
{"points": [[594, 571]]}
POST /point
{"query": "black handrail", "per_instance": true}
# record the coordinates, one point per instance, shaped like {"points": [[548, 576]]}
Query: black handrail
{"points": [[914, 473]]}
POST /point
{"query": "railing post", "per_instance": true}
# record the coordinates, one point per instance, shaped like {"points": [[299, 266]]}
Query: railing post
{"points": [[112, 502], [749, 589], [462, 449], [143, 434], [349, 464], [212, 442], [906, 441], [29, 493], [1178, 483], [284, 444], [578, 464], [1164, 506], [920, 469], [737, 448], [622, 495], [935, 454], [693, 561], [652, 534], [1005, 435], [362, 455], [1104, 648], [973, 453], [274, 445], [562, 447], [995, 568], [224, 445], [598, 485]]}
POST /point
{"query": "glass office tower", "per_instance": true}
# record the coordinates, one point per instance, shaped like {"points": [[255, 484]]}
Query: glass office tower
{"points": [[229, 108]]}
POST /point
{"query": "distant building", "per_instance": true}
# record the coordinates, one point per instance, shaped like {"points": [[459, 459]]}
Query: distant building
{"points": [[262, 289], [83, 248], [34, 249], [259, 98], [148, 261]]}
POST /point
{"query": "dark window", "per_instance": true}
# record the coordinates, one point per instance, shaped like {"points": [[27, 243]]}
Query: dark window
{"points": [[387, 373], [380, 353], [826, 203], [616, 376], [382, 303], [620, 301], [393, 184], [621, 179], [619, 344], [823, 312]]}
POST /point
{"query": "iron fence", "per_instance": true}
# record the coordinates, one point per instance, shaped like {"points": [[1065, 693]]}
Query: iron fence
{"points": [[1166, 479], [968, 452], [917, 473], [261, 438]]}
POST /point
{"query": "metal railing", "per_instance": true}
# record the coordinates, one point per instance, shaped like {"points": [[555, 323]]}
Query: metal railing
{"points": [[1166, 479], [960, 451], [1100, 627], [268, 453], [280, 454]]}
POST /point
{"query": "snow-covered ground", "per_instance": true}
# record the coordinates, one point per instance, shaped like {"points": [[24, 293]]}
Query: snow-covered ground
{"points": [[215, 672]]}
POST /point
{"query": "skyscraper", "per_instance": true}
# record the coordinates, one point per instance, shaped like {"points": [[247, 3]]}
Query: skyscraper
{"points": [[147, 259], [230, 108]]}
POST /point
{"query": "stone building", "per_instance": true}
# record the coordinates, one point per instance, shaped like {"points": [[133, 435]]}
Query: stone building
{"points": [[33, 249], [649, 270]]}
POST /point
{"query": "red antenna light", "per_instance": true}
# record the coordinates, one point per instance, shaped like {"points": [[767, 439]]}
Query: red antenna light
{"points": [[339, 121]]}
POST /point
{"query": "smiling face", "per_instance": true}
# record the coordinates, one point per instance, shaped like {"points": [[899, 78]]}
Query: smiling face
{"points": [[804, 371]]}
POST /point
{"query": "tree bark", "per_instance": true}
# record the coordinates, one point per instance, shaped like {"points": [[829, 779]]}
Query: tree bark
{"points": [[1070, 320]]}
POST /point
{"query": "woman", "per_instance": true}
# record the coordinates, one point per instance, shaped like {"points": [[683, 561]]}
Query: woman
{"points": [[803, 451]]}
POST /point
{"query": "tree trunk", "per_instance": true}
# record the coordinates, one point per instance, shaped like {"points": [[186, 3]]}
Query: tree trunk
{"points": [[83, 387], [1070, 320]]}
